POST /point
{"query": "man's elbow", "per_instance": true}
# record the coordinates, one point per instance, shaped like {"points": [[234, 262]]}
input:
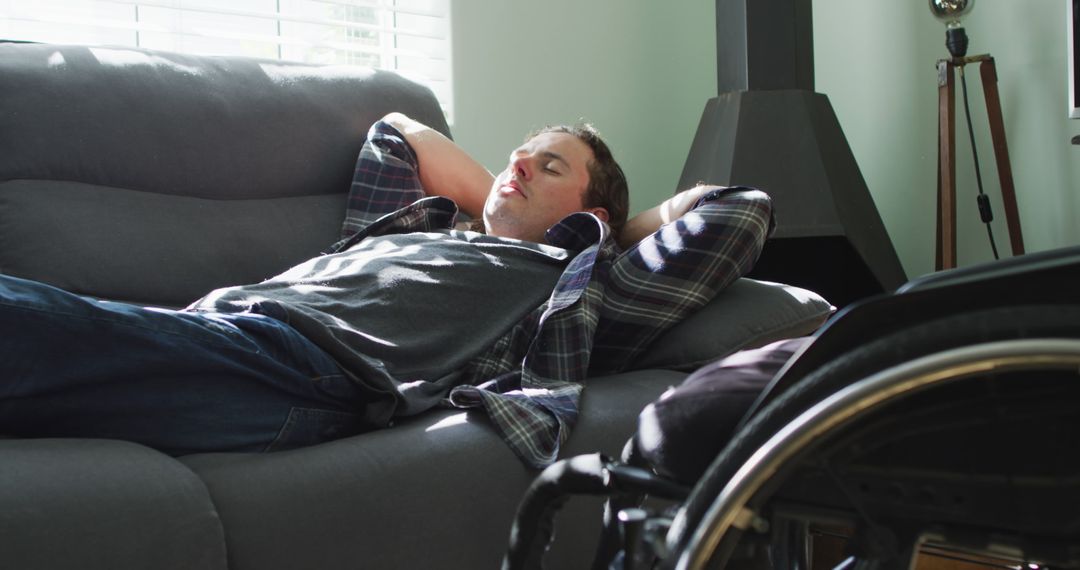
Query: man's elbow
{"points": [[754, 204], [764, 205], [741, 214], [399, 121], [760, 199]]}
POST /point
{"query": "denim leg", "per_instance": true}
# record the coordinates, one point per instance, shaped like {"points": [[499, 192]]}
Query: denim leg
{"points": [[178, 381]]}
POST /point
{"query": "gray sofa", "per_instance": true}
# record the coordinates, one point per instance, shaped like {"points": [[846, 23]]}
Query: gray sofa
{"points": [[152, 178]]}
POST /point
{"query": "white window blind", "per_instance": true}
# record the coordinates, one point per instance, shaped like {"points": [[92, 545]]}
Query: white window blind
{"points": [[407, 36]]}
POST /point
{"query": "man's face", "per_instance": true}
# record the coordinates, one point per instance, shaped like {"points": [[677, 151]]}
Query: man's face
{"points": [[544, 182]]}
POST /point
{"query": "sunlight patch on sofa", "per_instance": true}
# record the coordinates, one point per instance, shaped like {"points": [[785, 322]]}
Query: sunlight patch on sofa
{"points": [[286, 73], [125, 57], [454, 420]]}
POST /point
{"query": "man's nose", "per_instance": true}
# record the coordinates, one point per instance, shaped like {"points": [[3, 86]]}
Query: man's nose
{"points": [[522, 167]]}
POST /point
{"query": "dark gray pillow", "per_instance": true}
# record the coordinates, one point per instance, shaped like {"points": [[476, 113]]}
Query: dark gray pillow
{"points": [[748, 314]]}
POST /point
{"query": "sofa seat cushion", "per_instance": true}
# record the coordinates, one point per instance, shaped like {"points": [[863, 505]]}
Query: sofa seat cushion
{"points": [[437, 491], [103, 504]]}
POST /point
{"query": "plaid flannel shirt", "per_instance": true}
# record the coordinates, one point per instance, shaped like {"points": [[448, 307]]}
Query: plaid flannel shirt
{"points": [[605, 310]]}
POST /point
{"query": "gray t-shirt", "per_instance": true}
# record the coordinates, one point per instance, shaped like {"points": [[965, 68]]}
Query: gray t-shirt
{"points": [[406, 312]]}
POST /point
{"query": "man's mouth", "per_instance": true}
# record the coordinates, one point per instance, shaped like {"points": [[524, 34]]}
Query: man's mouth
{"points": [[512, 186]]}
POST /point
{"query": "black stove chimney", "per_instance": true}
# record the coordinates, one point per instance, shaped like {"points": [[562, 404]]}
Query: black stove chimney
{"points": [[769, 129]]}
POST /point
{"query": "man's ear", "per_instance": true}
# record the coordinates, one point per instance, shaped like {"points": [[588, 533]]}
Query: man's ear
{"points": [[599, 212]]}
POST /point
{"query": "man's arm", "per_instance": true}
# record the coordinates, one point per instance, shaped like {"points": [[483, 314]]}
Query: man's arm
{"points": [[678, 267], [444, 168], [644, 224]]}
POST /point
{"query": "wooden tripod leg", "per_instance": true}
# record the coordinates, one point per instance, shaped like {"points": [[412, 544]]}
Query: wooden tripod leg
{"points": [[946, 209], [988, 71]]}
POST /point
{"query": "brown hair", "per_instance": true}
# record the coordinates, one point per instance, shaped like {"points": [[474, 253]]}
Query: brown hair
{"points": [[607, 184]]}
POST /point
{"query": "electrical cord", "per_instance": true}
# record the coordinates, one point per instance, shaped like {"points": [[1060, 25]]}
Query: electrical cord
{"points": [[985, 212]]}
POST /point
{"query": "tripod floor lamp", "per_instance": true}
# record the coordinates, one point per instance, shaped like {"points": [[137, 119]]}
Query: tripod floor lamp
{"points": [[956, 41]]}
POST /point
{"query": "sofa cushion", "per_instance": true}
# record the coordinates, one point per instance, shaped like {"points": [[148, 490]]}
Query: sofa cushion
{"points": [[102, 504], [748, 314], [153, 248], [437, 491], [210, 127], [155, 177]]}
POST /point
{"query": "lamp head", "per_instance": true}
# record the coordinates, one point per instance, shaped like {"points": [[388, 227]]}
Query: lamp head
{"points": [[950, 12]]}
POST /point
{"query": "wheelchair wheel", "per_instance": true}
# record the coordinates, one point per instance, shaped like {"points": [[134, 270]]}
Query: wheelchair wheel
{"points": [[960, 433]]}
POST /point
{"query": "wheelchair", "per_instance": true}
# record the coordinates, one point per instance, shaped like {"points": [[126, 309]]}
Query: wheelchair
{"points": [[942, 419]]}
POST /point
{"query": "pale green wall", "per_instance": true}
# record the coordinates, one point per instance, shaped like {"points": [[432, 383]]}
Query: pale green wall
{"points": [[638, 70], [641, 71], [876, 60]]}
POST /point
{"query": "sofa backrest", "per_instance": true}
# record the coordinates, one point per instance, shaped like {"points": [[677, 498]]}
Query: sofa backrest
{"points": [[154, 177]]}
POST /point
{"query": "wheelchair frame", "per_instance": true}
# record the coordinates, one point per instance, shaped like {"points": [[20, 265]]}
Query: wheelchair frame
{"points": [[730, 511]]}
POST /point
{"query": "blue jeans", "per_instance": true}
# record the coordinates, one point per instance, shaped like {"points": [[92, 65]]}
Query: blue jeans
{"points": [[181, 382]]}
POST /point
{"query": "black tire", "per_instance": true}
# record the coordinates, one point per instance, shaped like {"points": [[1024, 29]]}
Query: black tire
{"points": [[950, 332]]}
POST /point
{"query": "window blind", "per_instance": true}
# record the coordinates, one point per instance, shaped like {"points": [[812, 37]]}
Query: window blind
{"points": [[407, 36]]}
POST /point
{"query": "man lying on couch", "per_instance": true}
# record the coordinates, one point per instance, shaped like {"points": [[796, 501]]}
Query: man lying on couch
{"points": [[405, 313]]}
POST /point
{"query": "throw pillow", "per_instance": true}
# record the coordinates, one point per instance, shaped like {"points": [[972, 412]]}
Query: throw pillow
{"points": [[748, 314]]}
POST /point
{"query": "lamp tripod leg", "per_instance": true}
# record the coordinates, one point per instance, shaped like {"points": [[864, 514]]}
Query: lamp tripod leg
{"points": [[988, 71], [946, 207]]}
